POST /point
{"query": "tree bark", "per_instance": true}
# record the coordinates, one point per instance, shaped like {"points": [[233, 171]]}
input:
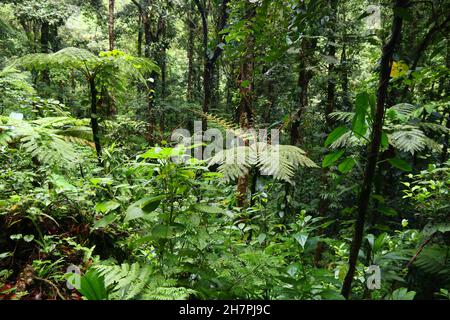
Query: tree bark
{"points": [[304, 78], [94, 120], [190, 54], [330, 105], [209, 60], [45, 41], [245, 85], [366, 189], [140, 36], [111, 25]]}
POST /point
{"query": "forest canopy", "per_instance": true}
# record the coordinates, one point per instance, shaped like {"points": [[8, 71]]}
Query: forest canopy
{"points": [[224, 149]]}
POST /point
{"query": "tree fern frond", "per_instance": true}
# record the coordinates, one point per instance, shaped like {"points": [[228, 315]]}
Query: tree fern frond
{"points": [[434, 127], [412, 140], [404, 109], [435, 260], [45, 140], [342, 116], [279, 161], [348, 139]]}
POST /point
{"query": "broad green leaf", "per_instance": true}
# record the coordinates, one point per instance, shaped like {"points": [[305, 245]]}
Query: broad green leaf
{"points": [[143, 206], [105, 207], [301, 238], [359, 125], [335, 134], [347, 165], [400, 164], [206, 208], [92, 286], [332, 158], [362, 103], [105, 221]]}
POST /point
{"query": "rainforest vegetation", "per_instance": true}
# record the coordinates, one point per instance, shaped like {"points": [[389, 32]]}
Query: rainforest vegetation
{"points": [[100, 199]]}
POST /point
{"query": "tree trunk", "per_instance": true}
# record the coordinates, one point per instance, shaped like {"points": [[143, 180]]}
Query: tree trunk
{"points": [[94, 120], [210, 60], [111, 25], [331, 98], [366, 188], [140, 36], [190, 55], [45, 35], [246, 92], [303, 83]]}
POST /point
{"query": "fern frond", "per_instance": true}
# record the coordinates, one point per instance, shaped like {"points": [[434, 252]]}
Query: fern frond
{"points": [[279, 161], [408, 139], [342, 116], [134, 281]]}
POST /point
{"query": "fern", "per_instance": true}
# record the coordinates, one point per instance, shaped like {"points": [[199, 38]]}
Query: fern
{"points": [[408, 139], [111, 66], [139, 282], [45, 140], [279, 161], [435, 260], [403, 130]]}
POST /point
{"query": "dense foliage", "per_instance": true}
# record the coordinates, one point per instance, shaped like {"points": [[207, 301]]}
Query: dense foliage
{"points": [[95, 204]]}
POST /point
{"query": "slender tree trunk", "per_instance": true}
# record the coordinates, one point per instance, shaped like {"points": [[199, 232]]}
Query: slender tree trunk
{"points": [[444, 156], [210, 60], [54, 37], [245, 85], [111, 25], [94, 119], [331, 98], [303, 83], [190, 54], [151, 83], [366, 188], [45, 35], [140, 36]]}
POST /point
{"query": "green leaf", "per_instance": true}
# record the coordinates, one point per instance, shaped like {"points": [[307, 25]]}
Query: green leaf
{"points": [[105, 221], [4, 255], [347, 165], [105, 207], [245, 84], [359, 125], [162, 232], [92, 286], [400, 164], [403, 294], [359, 121], [16, 236], [28, 238], [143, 206], [335, 134], [362, 103], [301, 238], [384, 141], [261, 238], [332, 158], [206, 208]]}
